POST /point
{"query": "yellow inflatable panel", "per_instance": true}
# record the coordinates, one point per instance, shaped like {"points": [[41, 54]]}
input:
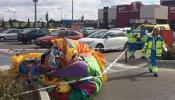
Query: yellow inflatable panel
{"points": [[17, 60], [33, 56], [63, 88]]}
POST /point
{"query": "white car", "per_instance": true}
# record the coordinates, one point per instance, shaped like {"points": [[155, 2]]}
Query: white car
{"points": [[122, 29], [106, 40]]}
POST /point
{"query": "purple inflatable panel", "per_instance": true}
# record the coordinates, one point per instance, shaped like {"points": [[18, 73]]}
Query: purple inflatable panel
{"points": [[76, 70]]}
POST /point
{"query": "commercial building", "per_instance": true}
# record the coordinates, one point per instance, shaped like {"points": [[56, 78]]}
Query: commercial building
{"points": [[107, 17], [167, 2], [137, 13]]}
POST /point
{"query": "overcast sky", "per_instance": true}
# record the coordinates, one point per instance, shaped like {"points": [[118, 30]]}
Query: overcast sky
{"points": [[24, 9]]}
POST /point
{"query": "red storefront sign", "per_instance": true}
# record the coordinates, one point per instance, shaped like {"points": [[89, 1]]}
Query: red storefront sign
{"points": [[171, 13], [123, 9], [127, 12], [135, 10], [123, 15]]}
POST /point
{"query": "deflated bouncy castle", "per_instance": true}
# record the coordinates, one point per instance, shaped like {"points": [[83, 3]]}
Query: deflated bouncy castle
{"points": [[67, 60]]}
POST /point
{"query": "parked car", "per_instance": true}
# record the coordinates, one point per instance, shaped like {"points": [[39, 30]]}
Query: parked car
{"points": [[97, 31], [31, 35], [57, 29], [87, 31], [2, 30], [150, 28], [106, 40], [46, 40], [173, 36], [125, 29], [10, 34]]}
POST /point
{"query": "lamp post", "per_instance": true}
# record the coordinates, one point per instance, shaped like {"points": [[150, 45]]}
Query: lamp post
{"points": [[60, 13], [47, 19], [35, 1], [14, 15], [72, 11]]}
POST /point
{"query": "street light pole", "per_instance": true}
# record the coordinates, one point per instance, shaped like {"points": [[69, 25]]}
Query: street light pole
{"points": [[35, 1], [60, 13], [72, 11]]}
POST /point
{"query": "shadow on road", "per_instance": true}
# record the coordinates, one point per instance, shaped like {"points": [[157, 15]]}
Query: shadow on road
{"points": [[131, 77], [112, 51], [133, 62]]}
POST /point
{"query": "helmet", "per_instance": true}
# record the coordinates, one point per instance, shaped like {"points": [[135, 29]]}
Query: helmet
{"points": [[156, 29]]}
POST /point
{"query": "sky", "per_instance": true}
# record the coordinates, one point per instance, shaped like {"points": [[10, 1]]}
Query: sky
{"points": [[24, 9]]}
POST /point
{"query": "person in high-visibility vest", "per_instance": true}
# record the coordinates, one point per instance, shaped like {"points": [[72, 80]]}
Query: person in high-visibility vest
{"points": [[131, 44], [153, 48], [143, 36]]}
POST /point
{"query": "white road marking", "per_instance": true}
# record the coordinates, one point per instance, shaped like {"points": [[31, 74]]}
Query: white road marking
{"points": [[5, 67], [119, 67]]}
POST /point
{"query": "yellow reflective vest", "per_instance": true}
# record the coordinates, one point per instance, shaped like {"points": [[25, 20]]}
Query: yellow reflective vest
{"points": [[149, 45], [131, 38]]}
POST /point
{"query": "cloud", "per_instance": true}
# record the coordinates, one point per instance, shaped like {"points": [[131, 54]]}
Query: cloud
{"points": [[10, 9], [89, 8]]}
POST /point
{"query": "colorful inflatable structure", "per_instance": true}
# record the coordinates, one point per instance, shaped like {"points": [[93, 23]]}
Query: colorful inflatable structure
{"points": [[67, 60]]}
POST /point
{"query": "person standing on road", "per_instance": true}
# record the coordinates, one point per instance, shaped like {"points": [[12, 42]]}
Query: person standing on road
{"points": [[143, 36], [153, 49], [131, 44]]}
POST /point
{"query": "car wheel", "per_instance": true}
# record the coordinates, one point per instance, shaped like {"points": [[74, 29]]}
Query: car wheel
{"points": [[99, 48], [24, 42], [43, 46], [33, 41], [2, 39]]}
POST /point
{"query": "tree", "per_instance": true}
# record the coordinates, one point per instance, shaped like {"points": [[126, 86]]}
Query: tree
{"points": [[3, 24], [34, 24], [11, 23], [28, 24], [19, 25], [42, 24]]}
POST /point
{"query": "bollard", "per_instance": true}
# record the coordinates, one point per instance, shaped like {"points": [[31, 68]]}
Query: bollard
{"points": [[126, 56], [17, 53]]}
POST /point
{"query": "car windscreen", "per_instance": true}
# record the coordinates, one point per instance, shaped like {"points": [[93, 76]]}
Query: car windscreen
{"points": [[6, 31], [1, 31], [26, 30], [54, 33], [63, 33], [97, 34]]}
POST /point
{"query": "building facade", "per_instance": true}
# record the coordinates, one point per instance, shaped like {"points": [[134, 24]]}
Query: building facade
{"points": [[137, 13]]}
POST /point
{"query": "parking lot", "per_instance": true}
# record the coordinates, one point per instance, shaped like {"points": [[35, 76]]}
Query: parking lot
{"points": [[14, 44], [126, 81]]}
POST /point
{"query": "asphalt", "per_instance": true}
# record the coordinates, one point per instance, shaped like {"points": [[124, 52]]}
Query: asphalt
{"points": [[139, 84], [134, 82]]}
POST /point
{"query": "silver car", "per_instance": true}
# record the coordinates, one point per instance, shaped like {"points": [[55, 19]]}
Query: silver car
{"points": [[10, 34]]}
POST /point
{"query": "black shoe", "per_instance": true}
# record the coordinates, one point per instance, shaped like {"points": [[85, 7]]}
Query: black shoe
{"points": [[155, 75], [130, 57], [150, 70], [143, 57]]}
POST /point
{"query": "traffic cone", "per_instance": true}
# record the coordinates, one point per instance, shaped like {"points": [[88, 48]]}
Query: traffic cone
{"points": [[17, 53]]}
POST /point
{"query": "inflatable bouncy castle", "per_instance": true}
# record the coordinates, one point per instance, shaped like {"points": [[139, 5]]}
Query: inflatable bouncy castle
{"points": [[67, 60]]}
